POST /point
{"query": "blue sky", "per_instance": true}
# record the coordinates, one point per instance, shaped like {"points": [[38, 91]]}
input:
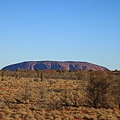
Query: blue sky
{"points": [[79, 30]]}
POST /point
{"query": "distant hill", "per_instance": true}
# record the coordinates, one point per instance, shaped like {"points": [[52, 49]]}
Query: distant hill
{"points": [[55, 65]]}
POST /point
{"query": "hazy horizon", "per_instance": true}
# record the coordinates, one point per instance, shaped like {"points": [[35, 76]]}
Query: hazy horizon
{"points": [[62, 30]]}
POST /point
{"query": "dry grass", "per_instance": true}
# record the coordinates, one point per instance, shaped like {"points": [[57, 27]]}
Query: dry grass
{"points": [[28, 99]]}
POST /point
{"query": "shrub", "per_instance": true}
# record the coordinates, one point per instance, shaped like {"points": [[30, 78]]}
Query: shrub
{"points": [[97, 89]]}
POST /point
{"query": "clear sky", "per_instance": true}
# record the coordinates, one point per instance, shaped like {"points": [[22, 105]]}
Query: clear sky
{"points": [[79, 30]]}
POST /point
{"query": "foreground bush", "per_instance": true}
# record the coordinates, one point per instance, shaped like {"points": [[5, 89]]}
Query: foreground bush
{"points": [[97, 89]]}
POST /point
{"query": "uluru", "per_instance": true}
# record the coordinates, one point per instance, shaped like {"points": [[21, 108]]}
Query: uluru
{"points": [[55, 65]]}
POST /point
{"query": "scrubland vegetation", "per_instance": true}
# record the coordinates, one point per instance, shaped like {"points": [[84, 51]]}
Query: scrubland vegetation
{"points": [[59, 95]]}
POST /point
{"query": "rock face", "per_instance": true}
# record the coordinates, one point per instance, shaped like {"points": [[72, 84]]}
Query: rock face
{"points": [[55, 65]]}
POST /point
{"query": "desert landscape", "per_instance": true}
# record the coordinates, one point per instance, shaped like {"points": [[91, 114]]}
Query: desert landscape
{"points": [[59, 95], [59, 59]]}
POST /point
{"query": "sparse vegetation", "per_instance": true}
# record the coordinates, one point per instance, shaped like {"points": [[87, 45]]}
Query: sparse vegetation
{"points": [[57, 97]]}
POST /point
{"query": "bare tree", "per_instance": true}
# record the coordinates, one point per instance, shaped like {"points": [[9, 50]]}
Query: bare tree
{"points": [[97, 89], [115, 92]]}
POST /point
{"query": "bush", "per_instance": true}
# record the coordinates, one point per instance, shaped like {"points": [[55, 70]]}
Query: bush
{"points": [[97, 89]]}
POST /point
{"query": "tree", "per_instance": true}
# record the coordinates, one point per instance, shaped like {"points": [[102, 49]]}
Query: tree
{"points": [[97, 89], [26, 93], [3, 74], [59, 70], [116, 92], [42, 76], [81, 75]]}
